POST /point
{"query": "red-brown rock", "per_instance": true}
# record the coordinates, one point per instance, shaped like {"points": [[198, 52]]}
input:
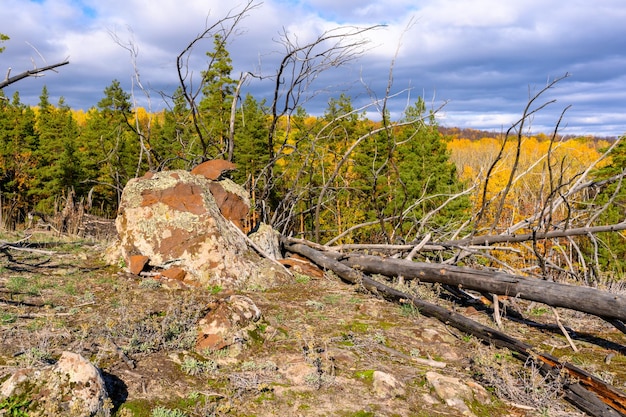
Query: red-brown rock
{"points": [[136, 263], [226, 322], [173, 218], [213, 169], [174, 273], [231, 205]]}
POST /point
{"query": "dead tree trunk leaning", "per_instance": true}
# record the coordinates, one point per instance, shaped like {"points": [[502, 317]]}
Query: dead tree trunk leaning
{"points": [[583, 390], [589, 300]]}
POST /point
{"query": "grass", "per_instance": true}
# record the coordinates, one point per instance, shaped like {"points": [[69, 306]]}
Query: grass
{"points": [[166, 412], [194, 367], [106, 314], [409, 310], [23, 285]]}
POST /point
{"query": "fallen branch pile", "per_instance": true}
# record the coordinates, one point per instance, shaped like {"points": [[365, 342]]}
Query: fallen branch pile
{"points": [[582, 389]]}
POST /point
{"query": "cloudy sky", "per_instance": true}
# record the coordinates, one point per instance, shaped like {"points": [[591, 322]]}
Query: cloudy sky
{"points": [[482, 58]]}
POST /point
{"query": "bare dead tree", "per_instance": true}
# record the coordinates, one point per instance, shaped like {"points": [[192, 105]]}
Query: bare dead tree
{"points": [[226, 27], [300, 66], [142, 134], [518, 129]]}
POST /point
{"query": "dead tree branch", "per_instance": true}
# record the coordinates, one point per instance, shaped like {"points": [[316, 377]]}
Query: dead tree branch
{"points": [[226, 27], [33, 72], [582, 389], [586, 299], [524, 237]]}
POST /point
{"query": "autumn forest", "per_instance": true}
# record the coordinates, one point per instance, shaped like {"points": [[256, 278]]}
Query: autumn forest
{"points": [[336, 178]]}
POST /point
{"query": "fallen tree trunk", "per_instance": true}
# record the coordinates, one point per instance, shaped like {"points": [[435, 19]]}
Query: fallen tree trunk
{"points": [[585, 391], [589, 300]]}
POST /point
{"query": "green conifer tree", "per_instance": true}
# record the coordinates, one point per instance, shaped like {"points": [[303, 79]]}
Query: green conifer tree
{"points": [[215, 106], [109, 148], [18, 140], [250, 140], [176, 145]]}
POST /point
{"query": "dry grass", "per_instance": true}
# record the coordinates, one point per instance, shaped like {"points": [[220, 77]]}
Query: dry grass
{"points": [[142, 334]]}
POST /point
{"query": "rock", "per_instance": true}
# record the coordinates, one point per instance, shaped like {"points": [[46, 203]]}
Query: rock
{"points": [[455, 392], [297, 370], [230, 320], [232, 201], [174, 273], [214, 169], [136, 263], [387, 386], [266, 238], [173, 219], [73, 386]]}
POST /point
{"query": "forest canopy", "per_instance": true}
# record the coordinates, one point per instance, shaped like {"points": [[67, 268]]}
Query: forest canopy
{"points": [[335, 178]]}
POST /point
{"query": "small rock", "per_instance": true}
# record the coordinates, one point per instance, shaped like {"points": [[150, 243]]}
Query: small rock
{"points": [[136, 263], [266, 238], [214, 169], [387, 386], [455, 392], [227, 322], [174, 273], [73, 386]]}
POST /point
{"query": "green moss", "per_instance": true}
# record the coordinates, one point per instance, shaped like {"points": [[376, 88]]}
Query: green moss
{"points": [[360, 413], [266, 395], [367, 375], [301, 279], [493, 409], [139, 408], [15, 406], [358, 327], [256, 335]]}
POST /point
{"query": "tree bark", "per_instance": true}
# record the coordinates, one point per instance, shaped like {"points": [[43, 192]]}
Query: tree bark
{"points": [[524, 237], [586, 299], [10, 80], [585, 391]]}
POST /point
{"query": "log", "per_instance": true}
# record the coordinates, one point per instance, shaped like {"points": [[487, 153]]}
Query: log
{"points": [[583, 390], [589, 300]]}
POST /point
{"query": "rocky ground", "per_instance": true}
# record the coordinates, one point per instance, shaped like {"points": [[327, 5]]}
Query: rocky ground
{"points": [[319, 348]]}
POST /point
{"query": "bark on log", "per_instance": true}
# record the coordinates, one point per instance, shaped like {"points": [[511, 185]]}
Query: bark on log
{"points": [[524, 237], [586, 299], [585, 391]]}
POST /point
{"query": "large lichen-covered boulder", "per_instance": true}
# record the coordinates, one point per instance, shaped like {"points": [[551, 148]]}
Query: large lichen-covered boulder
{"points": [[172, 219]]}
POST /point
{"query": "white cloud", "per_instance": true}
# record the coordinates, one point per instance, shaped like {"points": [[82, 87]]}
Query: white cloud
{"points": [[483, 56]]}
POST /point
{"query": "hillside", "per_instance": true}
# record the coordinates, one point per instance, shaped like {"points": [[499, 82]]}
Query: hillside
{"points": [[321, 347]]}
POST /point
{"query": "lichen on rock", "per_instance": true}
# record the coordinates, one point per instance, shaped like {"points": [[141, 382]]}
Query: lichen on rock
{"points": [[174, 219]]}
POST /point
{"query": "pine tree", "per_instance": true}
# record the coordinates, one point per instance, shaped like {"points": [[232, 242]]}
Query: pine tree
{"points": [[3, 38], [250, 140], [403, 173], [109, 148], [175, 144], [18, 140], [215, 106], [55, 128]]}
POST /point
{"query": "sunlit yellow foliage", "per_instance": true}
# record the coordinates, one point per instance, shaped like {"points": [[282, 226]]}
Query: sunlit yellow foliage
{"points": [[543, 167], [80, 116]]}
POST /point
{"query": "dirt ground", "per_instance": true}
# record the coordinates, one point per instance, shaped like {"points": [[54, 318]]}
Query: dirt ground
{"points": [[319, 349]]}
